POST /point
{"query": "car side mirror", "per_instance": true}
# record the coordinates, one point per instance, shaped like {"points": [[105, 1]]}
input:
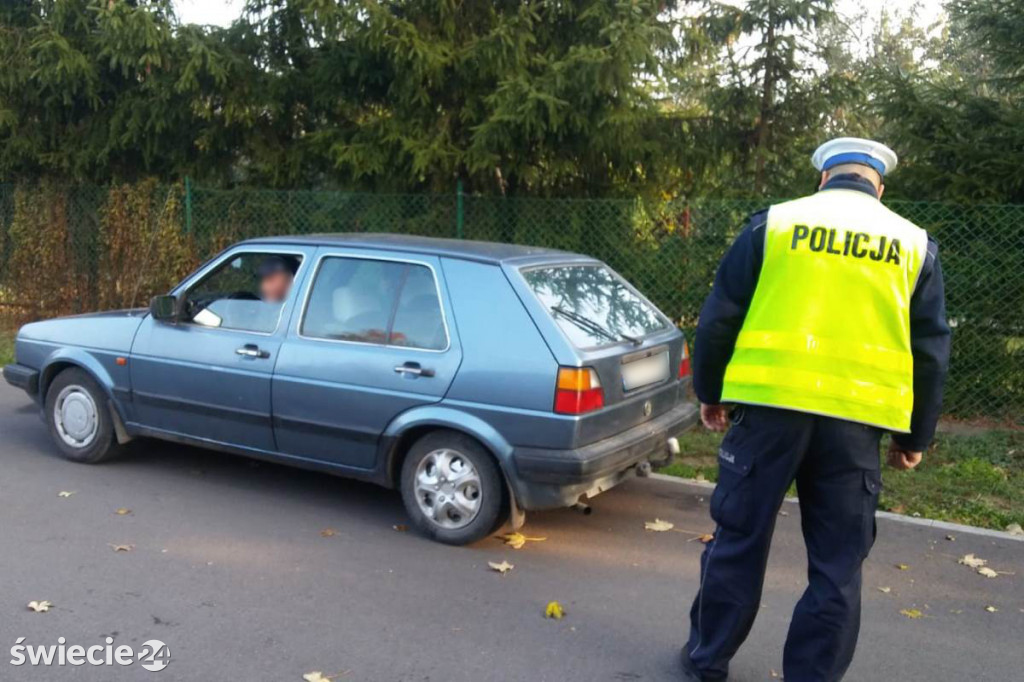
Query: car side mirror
{"points": [[164, 308]]}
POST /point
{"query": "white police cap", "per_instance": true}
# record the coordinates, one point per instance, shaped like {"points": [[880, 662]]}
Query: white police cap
{"points": [[854, 150]]}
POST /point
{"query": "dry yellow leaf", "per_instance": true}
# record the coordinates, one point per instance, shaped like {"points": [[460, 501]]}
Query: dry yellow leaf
{"points": [[658, 525], [988, 572], [913, 614], [65, 493], [328, 533], [885, 590], [317, 676], [902, 567], [122, 548], [972, 561], [39, 606], [554, 610], [951, 538], [518, 540], [706, 538], [991, 609], [400, 527], [122, 511], [503, 568]]}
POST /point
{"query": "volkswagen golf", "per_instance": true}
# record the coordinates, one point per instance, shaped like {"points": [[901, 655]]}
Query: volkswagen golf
{"points": [[482, 380]]}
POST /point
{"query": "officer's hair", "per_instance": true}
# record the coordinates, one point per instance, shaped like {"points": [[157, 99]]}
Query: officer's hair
{"points": [[866, 172]]}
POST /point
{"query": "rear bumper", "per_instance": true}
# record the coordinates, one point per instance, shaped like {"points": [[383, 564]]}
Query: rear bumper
{"points": [[557, 478], [22, 377]]}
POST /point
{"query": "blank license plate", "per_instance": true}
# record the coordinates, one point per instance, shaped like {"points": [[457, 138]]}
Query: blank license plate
{"points": [[645, 371]]}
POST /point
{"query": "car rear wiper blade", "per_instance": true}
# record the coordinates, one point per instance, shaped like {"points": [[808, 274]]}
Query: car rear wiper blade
{"points": [[593, 327]]}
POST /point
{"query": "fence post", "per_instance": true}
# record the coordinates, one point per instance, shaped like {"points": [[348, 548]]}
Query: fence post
{"points": [[459, 216], [188, 205]]}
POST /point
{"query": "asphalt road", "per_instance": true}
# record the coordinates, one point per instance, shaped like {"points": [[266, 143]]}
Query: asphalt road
{"points": [[229, 567]]}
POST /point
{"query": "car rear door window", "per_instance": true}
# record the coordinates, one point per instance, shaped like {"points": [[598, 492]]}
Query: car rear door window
{"points": [[592, 305], [375, 301]]}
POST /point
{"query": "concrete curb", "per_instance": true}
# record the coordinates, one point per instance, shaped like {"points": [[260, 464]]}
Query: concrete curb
{"points": [[707, 487]]}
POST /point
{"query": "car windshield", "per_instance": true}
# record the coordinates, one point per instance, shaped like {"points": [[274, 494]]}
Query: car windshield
{"points": [[593, 305]]}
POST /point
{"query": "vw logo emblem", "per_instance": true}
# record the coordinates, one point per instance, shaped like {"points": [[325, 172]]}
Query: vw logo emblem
{"points": [[647, 408]]}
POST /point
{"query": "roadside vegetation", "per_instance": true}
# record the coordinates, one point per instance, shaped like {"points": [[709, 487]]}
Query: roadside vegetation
{"points": [[975, 478], [6, 347]]}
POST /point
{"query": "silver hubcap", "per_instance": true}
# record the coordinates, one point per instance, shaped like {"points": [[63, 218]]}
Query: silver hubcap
{"points": [[75, 416], [448, 488]]}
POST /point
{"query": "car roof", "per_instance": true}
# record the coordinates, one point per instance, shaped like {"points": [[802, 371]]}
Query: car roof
{"points": [[486, 252]]}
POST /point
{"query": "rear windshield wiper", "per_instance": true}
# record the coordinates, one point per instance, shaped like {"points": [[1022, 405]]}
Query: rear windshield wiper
{"points": [[593, 327]]}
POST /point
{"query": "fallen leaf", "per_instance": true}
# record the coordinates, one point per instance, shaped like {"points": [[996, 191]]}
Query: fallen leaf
{"points": [[122, 511], [706, 538], [774, 674], [658, 525], [951, 538], [913, 614], [39, 606], [1015, 529], [991, 609], [503, 568], [318, 676], [328, 533], [885, 590], [122, 548], [554, 610], [65, 493], [898, 509], [783, 513], [518, 540], [972, 561], [400, 527], [988, 572], [902, 567]]}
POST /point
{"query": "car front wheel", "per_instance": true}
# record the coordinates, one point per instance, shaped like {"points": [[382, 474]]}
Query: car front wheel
{"points": [[452, 488], [79, 421]]}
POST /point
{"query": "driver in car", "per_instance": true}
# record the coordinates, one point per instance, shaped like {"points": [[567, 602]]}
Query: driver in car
{"points": [[276, 274]]}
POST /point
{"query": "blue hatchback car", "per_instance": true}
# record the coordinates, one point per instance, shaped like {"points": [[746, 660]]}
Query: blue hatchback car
{"points": [[480, 379]]}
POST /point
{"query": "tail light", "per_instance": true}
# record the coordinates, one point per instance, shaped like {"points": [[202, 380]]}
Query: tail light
{"points": [[578, 391], [684, 362]]}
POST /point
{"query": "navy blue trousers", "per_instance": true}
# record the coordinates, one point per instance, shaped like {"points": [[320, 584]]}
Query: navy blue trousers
{"points": [[836, 467]]}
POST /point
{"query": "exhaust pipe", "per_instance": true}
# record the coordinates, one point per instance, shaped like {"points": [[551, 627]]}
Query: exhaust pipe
{"points": [[583, 508]]}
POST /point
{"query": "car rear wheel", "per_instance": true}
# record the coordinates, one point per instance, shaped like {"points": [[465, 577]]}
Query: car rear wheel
{"points": [[79, 421], [452, 488]]}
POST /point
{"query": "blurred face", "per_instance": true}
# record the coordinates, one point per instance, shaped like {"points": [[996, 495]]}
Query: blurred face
{"points": [[274, 287]]}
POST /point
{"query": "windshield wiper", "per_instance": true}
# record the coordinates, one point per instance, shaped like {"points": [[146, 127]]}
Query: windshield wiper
{"points": [[593, 327]]}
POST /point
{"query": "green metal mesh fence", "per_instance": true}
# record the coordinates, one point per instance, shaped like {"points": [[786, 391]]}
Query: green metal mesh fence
{"points": [[66, 250]]}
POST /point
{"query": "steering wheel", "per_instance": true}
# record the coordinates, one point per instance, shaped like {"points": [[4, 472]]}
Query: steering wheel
{"points": [[242, 295]]}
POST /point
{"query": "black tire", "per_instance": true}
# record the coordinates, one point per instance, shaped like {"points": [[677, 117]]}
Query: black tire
{"points": [[76, 384], [492, 507]]}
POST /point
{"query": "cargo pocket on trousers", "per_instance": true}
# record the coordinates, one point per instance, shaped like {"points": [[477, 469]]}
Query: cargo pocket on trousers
{"points": [[869, 530], [732, 500]]}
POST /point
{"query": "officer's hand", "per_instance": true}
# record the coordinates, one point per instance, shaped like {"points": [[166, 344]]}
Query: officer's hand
{"points": [[901, 459], [715, 417]]}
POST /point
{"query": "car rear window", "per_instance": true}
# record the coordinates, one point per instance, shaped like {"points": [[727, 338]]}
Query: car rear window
{"points": [[606, 309]]}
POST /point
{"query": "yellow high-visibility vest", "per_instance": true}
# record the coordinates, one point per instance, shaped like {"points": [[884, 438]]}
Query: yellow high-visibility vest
{"points": [[828, 329]]}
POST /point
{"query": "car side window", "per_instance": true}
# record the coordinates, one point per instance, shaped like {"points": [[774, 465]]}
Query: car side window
{"points": [[375, 301], [419, 322], [247, 292]]}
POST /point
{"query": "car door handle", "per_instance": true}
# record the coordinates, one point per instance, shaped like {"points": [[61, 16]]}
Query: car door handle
{"points": [[250, 350], [414, 369]]}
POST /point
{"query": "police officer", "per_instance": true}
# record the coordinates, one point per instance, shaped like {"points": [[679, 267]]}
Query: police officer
{"points": [[825, 329]]}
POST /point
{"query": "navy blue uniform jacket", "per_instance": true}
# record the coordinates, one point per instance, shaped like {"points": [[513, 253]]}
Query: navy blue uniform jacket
{"points": [[726, 307]]}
